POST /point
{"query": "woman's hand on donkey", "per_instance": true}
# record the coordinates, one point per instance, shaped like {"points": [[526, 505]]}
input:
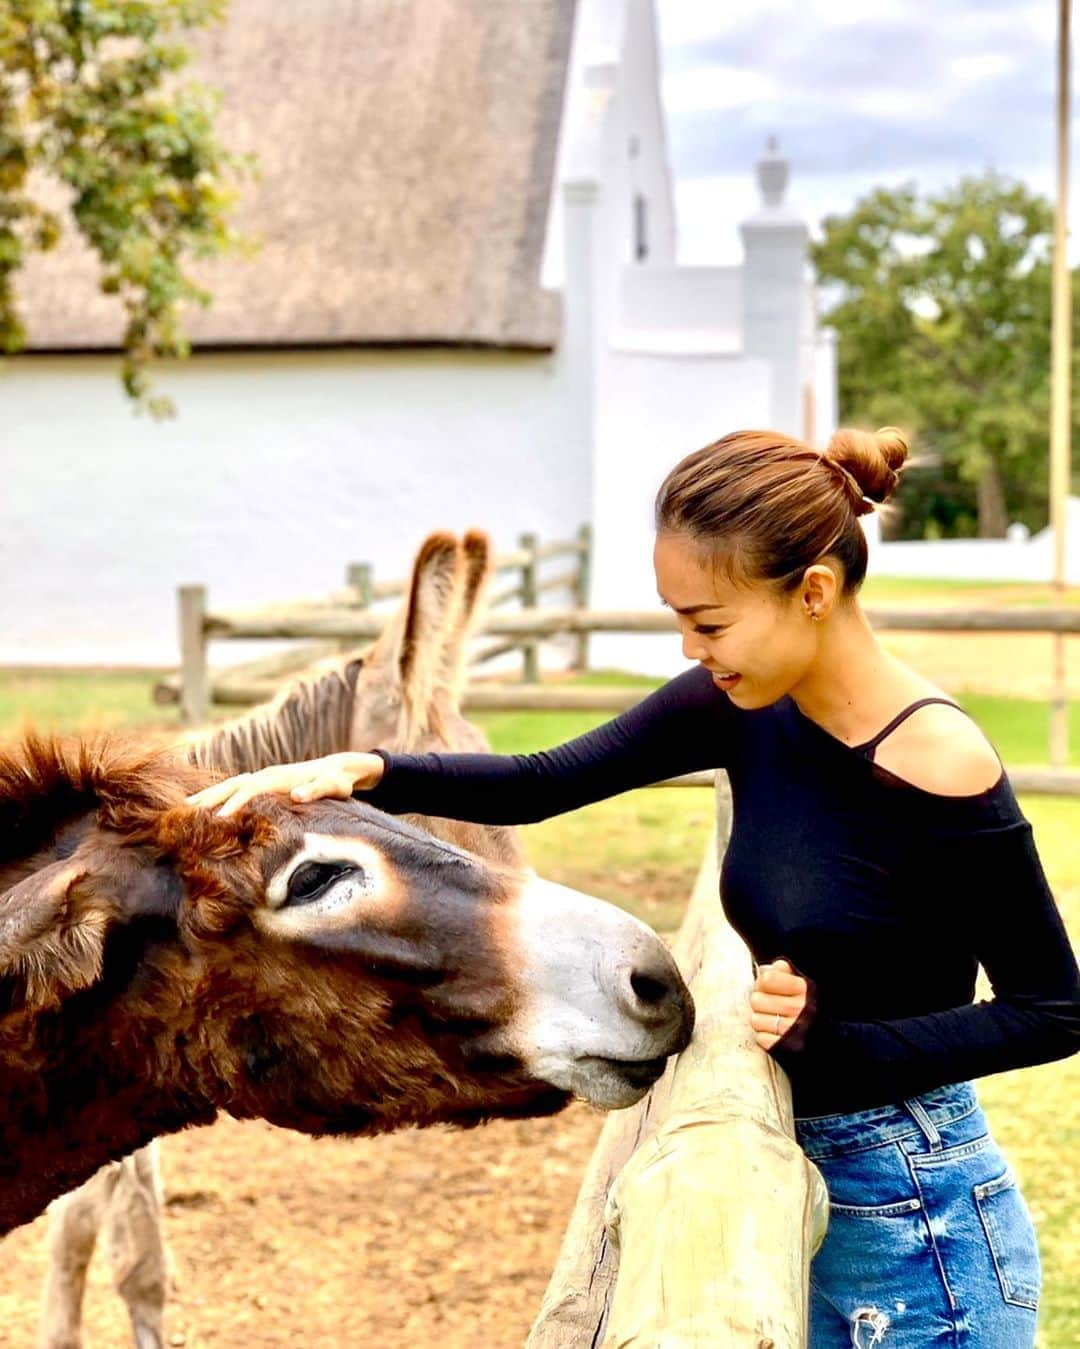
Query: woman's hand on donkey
{"points": [[336, 775], [777, 989]]}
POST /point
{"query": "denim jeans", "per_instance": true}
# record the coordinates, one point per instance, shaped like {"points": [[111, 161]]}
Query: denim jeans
{"points": [[930, 1242]]}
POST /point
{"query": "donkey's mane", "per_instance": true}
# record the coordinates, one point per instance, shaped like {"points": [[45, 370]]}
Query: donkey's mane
{"points": [[48, 780], [308, 719]]}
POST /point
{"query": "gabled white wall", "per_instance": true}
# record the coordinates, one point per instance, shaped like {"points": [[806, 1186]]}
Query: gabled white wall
{"points": [[644, 135], [679, 355], [612, 132]]}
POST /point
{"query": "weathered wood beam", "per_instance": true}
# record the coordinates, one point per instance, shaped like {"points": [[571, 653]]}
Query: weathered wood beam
{"points": [[309, 622], [360, 624], [194, 678], [252, 681], [975, 620], [698, 1214]]}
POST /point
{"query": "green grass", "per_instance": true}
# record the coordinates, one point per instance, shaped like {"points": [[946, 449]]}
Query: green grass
{"points": [[880, 588], [642, 850], [64, 700], [884, 590], [1019, 727], [1032, 1112]]}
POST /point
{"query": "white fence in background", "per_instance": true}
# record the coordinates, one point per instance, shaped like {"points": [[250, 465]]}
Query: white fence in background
{"points": [[1020, 557]]}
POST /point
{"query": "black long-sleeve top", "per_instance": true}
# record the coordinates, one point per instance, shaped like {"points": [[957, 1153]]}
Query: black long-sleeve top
{"points": [[885, 897]]}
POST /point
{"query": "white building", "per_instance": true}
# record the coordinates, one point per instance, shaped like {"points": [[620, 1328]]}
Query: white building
{"points": [[466, 310]]}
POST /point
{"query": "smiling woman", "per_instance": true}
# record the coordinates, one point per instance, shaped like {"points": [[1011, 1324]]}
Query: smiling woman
{"points": [[878, 857]]}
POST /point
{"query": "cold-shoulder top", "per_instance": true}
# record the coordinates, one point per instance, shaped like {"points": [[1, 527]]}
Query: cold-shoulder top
{"points": [[887, 898]]}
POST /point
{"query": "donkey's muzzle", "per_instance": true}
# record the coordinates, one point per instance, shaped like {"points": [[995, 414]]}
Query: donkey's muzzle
{"points": [[650, 990], [603, 1004]]}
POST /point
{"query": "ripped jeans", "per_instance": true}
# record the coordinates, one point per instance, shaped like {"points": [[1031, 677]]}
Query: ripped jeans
{"points": [[930, 1242]]}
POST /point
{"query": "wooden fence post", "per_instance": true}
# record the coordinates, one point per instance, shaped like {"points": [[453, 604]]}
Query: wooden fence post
{"points": [[194, 684], [698, 1213], [530, 650], [581, 592], [361, 577]]}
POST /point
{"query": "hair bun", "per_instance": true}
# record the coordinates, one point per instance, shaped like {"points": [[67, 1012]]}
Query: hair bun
{"points": [[872, 459]]}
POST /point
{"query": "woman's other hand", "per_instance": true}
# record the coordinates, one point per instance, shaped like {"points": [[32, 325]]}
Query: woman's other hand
{"points": [[777, 989], [337, 775]]}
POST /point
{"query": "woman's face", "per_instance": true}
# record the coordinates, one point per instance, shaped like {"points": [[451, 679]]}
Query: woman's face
{"points": [[757, 643]]}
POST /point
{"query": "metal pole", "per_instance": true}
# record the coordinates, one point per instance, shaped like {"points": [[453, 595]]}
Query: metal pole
{"points": [[1060, 394]]}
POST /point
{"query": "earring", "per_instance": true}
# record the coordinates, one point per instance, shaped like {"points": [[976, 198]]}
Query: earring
{"points": [[813, 614]]}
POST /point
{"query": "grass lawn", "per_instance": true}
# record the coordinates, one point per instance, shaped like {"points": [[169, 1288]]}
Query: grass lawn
{"points": [[66, 699], [884, 590], [642, 850]]}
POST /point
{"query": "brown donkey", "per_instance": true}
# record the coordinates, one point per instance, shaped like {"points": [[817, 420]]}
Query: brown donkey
{"points": [[324, 967], [403, 696]]}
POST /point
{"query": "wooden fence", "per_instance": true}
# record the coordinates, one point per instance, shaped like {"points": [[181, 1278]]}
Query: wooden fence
{"points": [[698, 1214], [348, 617]]}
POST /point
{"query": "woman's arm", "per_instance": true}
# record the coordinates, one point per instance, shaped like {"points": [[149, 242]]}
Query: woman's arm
{"points": [[685, 725], [1005, 907]]}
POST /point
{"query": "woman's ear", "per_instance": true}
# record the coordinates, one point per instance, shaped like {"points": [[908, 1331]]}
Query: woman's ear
{"points": [[819, 591]]}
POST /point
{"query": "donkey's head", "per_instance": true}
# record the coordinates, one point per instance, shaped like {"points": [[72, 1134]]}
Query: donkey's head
{"points": [[322, 966]]}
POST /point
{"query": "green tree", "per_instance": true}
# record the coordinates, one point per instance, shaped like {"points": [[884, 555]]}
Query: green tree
{"points": [[942, 304], [89, 101]]}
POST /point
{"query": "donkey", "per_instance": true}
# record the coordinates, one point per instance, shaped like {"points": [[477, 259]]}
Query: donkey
{"points": [[322, 966], [404, 695]]}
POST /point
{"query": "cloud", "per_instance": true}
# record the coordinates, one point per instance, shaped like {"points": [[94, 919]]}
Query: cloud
{"points": [[859, 95], [914, 84]]}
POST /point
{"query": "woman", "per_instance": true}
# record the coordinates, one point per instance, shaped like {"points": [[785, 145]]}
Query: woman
{"points": [[878, 856]]}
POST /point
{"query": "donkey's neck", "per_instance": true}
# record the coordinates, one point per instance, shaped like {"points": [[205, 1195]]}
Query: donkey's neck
{"points": [[50, 1145], [82, 1085]]}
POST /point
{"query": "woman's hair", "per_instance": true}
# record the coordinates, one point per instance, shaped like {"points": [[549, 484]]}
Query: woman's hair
{"points": [[765, 506]]}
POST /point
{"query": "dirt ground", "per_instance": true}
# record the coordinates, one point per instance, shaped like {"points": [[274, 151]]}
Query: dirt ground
{"points": [[416, 1239]]}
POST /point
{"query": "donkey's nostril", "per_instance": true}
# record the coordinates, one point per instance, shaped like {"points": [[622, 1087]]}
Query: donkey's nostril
{"points": [[648, 988]]}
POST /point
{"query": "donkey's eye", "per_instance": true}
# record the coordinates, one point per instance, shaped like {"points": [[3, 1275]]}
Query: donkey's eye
{"points": [[312, 879]]}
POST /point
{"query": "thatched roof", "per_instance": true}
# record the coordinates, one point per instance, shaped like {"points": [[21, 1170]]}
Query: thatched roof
{"points": [[406, 150]]}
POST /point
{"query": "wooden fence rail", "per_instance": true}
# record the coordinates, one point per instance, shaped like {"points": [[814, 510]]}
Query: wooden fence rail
{"points": [[347, 617], [359, 576], [361, 625]]}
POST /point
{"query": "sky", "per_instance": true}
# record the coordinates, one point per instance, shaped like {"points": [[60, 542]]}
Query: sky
{"points": [[860, 93]]}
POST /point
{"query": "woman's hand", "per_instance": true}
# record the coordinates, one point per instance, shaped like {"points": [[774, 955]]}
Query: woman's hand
{"points": [[777, 989], [337, 775]]}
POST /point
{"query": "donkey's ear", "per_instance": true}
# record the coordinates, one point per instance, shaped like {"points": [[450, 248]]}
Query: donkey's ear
{"points": [[464, 616], [434, 593], [51, 940]]}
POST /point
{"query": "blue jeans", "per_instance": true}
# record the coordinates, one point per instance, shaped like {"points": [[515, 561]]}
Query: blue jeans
{"points": [[930, 1242]]}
